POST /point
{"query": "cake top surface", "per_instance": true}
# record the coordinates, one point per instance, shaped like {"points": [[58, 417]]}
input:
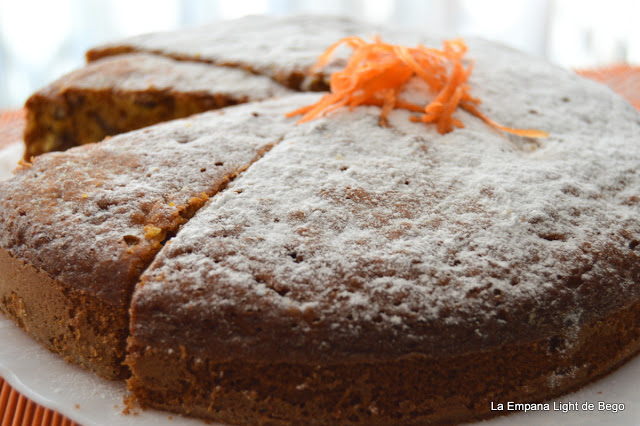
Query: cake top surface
{"points": [[142, 72], [95, 215], [350, 240], [263, 44]]}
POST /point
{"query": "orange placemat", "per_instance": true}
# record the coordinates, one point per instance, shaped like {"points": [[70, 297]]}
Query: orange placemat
{"points": [[624, 79], [11, 126], [15, 409]]}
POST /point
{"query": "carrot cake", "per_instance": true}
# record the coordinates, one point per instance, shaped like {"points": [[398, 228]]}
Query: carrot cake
{"points": [[372, 265], [360, 274]]}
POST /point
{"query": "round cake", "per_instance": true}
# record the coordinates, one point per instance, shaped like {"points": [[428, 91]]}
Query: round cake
{"points": [[339, 271]]}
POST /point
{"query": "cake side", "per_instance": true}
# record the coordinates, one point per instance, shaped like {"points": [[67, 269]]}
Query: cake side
{"points": [[396, 249], [410, 390], [79, 227], [394, 239], [127, 92], [83, 329]]}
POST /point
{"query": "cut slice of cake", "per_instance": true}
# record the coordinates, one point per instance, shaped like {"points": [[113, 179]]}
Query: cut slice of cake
{"points": [[359, 274], [127, 92], [78, 228]]}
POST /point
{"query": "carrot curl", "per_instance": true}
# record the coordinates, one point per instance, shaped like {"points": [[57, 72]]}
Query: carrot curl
{"points": [[377, 72]]}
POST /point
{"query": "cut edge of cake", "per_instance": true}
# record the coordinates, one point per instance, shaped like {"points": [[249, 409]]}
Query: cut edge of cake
{"points": [[127, 92], [82, 314]]}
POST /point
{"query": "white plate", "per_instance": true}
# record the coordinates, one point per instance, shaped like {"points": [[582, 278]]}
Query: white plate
{"points": [[9, 157], [47, 379], [82, 396]]}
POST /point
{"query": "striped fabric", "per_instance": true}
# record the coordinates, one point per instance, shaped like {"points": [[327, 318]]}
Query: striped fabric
{"points": [[17, 410]]}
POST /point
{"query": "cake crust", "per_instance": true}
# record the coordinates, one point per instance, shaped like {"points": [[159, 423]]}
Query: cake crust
{"points": [[412, 390], [63, 318]]}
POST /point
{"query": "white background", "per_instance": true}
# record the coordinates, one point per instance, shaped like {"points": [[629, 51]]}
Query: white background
{"points": [[43, 39]]}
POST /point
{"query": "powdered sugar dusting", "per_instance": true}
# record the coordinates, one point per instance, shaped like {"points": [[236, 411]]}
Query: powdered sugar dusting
{"points": [[140, 72], [559, 378], [94, 215], [351, 239], [278, 47]]}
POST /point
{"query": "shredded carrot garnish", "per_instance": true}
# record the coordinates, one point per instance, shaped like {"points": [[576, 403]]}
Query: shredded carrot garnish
{"points": [[377, 72]]}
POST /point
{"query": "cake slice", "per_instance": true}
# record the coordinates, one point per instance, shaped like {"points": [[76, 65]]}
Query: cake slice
{"points": [[360, 274], [78, 228], [127, 92]]}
